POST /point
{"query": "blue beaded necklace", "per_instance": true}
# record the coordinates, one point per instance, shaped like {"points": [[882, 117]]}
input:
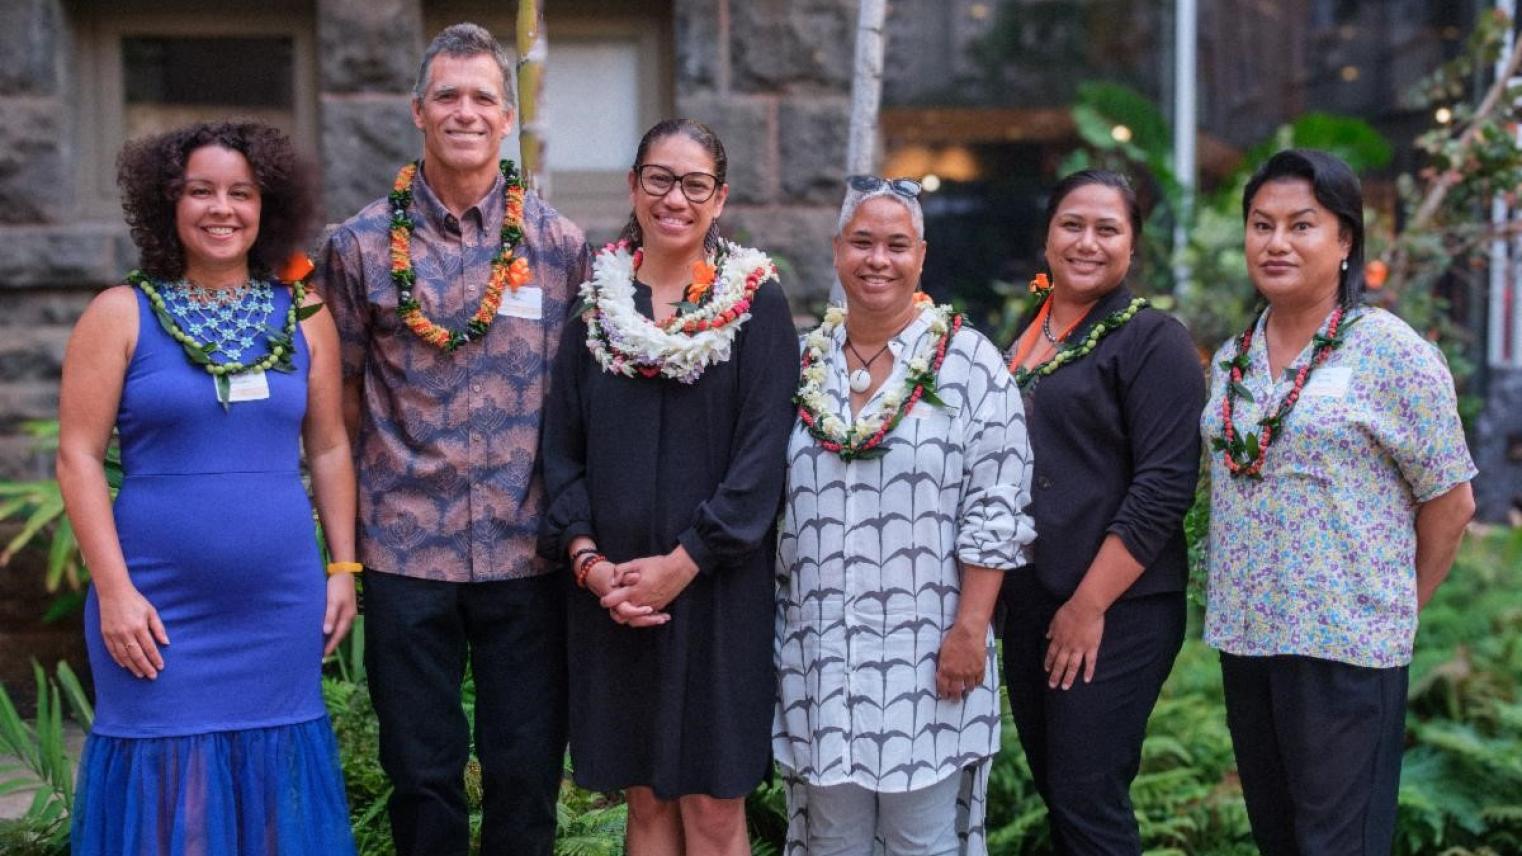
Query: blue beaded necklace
{"points": [[230, 318]]}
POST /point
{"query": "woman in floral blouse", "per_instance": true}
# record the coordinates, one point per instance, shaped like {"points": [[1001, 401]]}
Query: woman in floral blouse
{"points": [[908, 476], [1339, 493]]}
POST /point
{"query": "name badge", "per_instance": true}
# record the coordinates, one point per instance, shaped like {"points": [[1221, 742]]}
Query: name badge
{"points": [[1328, 382], [526, 302], [248, 386]]}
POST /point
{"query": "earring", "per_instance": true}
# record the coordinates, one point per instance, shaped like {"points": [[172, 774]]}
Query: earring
{"points": [[1344, 264]]}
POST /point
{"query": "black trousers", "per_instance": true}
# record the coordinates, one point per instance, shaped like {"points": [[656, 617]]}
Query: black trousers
{"points": [[418, 634], [1084, 743], [1318, 747]]}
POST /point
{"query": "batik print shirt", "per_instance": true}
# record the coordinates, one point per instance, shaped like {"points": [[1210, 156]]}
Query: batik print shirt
{"points": [[1318, 558], [447, 453], [869, 574]]}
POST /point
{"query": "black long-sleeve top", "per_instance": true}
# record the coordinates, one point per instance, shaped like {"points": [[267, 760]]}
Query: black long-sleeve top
{"points": [[1117, 446], [643, 464]]}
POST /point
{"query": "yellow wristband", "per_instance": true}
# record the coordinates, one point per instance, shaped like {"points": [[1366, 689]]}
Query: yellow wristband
{"points": [[344, 568]]}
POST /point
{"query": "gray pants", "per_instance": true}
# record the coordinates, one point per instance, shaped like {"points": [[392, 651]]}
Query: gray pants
{"points": [[846, 820]]}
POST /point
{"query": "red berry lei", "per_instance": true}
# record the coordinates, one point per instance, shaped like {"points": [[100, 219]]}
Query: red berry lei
{"points": [[507, 271], [1244, 455], [863, 440]]}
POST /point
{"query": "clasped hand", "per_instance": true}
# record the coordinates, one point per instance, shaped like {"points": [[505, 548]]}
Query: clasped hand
{"points": [[637, 592]]}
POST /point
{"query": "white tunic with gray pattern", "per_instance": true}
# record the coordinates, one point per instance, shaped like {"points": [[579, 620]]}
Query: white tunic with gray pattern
{"points": [[869, 575]]}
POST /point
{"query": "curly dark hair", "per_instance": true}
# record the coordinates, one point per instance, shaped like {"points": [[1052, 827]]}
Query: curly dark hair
{"points": [[151, 174]]}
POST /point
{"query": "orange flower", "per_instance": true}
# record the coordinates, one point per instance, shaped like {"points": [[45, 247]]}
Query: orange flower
{"points": [[1040, 283], [404, 177], [1375, 274], [922, 299], [703, 275], [297, 268], [519, 273]]}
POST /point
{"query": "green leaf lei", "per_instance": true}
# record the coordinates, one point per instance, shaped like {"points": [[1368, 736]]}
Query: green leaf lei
{"points": [[1026, 378], [280, 342], [1243, 454]]}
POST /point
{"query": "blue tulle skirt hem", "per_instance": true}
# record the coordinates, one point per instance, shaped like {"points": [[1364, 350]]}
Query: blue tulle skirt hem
{"points": [[257, 792]]}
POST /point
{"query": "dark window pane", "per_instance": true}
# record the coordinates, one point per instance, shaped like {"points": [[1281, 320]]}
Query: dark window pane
{"points": [[225, 72]]}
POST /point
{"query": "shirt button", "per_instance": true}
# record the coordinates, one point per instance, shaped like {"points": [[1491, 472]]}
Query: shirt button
{"points": [[1044, 482], [475, 387]]}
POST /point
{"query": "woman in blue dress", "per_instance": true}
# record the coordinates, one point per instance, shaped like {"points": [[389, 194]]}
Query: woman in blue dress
{"points": [[209, 615]]}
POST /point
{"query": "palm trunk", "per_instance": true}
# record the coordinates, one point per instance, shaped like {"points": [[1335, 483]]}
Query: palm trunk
{"points": [[866, 97]]}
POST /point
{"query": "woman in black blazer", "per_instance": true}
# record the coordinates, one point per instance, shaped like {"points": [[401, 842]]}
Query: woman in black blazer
{"points": [[1113, 391]]}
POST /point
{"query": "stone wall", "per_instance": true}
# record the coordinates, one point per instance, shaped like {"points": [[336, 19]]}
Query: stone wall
{"points": [[773, 78], [367, 59]]}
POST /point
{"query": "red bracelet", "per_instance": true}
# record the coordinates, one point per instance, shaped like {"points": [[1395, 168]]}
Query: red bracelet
{"points": [[584, 566]]}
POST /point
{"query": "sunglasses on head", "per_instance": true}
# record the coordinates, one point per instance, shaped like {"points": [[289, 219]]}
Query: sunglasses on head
{"points": [[905, 187]]}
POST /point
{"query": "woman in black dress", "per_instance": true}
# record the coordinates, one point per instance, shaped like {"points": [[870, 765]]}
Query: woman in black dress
{"points": [[1113, 391], [664, 449]]}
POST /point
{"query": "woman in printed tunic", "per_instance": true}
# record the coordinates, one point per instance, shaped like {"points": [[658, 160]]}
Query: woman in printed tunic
{"points": [[1339, 494], [908, 477]]}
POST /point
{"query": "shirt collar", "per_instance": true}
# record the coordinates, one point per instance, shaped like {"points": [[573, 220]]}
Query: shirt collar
{"points": [[482, 212], [1258, 353], [900, 341]]}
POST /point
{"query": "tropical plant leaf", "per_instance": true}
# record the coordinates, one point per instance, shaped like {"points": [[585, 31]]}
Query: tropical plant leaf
{"points": [[48, 509]]}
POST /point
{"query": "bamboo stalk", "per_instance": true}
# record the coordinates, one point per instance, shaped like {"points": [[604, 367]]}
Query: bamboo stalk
{"points": [[533, 125]]}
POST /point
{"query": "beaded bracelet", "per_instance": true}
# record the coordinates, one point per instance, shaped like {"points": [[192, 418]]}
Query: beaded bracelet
{"points": [[585, 565], [344, 568]]}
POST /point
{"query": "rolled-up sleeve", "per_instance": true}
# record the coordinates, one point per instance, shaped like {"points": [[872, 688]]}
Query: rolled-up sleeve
{"points": [[1416, 418], [994, 527], [1162, 400]]}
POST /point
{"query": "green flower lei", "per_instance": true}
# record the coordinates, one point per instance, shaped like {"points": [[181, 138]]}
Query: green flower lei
{"points": [[281, 342], [1026, 378]]}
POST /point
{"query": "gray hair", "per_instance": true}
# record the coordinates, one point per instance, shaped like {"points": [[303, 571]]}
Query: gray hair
{"points": [[855, 198], [466, 40]]}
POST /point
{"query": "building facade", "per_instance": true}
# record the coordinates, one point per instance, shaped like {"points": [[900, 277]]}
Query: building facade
{"points": [[975, 94]]}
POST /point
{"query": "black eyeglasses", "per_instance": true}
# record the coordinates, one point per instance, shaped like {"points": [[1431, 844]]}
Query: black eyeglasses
{"points": [[657, 180], [905, 187]]}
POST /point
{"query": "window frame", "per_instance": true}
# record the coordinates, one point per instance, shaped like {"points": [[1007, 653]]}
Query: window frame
{"points": [[100, 85]]}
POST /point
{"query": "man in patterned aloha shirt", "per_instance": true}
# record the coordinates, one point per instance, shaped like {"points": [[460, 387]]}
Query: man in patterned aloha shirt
{"points": [[444, 406]]}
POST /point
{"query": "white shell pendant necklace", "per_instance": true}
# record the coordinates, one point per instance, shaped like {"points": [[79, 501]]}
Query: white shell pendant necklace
{"points": [[861, 378]]}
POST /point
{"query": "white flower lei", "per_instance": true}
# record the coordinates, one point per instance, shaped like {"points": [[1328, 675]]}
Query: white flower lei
{"points": [[625, 342], [857, 440]]}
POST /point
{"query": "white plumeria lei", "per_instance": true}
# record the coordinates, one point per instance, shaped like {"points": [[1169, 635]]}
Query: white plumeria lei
{"points": [[625, 342], [861, 439]]}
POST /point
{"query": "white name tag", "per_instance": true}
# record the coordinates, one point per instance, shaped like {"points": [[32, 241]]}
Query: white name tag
{"points": [[1328, 382], [526, 302], [248, 386]]}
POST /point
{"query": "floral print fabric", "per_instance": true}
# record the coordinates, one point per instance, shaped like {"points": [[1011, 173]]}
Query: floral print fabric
{"points": [[1318, 558], [448, 446]]}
